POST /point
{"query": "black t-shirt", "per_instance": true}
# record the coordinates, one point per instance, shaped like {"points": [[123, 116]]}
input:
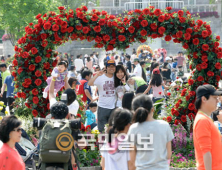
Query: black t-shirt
{"points": [[128, 65]]}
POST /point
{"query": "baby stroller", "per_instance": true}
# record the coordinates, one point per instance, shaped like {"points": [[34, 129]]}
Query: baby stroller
{"points": [[28, 151]]}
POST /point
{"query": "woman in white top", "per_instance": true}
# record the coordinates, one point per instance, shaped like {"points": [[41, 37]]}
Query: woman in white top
{"points": [[120, 79], [155, 153], [89, 63]]}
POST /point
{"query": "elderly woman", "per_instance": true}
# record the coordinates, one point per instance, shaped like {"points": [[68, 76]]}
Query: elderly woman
{"points": [[10, 133]]}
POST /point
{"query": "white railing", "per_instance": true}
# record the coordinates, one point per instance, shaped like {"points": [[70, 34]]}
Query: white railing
{"points": [[111, 9], [157, 4], [202, 8]]}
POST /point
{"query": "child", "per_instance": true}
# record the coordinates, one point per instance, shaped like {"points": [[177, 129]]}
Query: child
{"points": [[90, 115], [174, 69], [156, 84], [60, 72], [112, 156]]}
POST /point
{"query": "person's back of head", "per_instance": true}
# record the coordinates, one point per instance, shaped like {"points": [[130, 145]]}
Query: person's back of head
{"points": [[71, 96], [88, 59], [72, 68], [142, 106], [59, 110], [86, 73], [122, 119], [155, 65], [156, 78], [127, 100], [128, 57], [165, 65], [120, 63], [78, 56]]}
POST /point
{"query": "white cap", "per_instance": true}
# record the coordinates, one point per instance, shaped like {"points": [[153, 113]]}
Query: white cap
{"points": [[86, 55], [168, 58]]}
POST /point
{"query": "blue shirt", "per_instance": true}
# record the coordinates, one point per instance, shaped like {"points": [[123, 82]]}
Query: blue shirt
{"points": [[87, 87], [107, 58], [90, 117], [174, 64], [9, 81]]}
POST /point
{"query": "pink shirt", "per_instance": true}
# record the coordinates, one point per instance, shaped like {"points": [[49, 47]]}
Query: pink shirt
{"points": [[89, 64], [180, 61], [157, 91], [10, 159]]}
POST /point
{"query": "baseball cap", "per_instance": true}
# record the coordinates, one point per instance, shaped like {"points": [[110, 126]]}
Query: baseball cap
{"points": [[168, 58], [110, 62], [156, 71], [207, 89], [136, 59]]}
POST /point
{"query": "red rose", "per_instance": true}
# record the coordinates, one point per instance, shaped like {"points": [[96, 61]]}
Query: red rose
{"points": [[169, 8], [204, 58], [55, 27], [61, 8], [44, 43], [218, 66], [200, 78], [28, 81], [97, 28], [48, 55], [144, 23], [38, 16], [154, 36], [106, 37], [157, 12], [177, 105], [182, 19], [47, 25], [161, 30], [191, 116], [78, 115], [143, 32], [27, 105], [161, 18], [185, 46], [199, 67], [23, 95], [183, 118], [15, 62], [121, 38], [35, 113], [20, 70], [80, 15], [189, 30], [34, 50], [192, 93], [38, 82], [168, 38], [102, 22], [218, 38], [187, 36], [179, 34], [35, 91], [25, 55], [218, 78], [204, 65], [199, 22], [169, 119], [190, 82], [98, 39], [195, 41], [146, 11], [142, 40], [216, 44], [210, 73], [112, 17], [153, 26], [187, 98], [84, 8], [110, 47], [85, 30], [169, 94], [38, 59], [219, 55], [25, 85], [176, 122], [13, 74], [35, 100], [180, 13], [204, 33], [38, 73], [79, 27], [94, 17], [205, 47], [131, 29], [32, 67], [46, 65]]}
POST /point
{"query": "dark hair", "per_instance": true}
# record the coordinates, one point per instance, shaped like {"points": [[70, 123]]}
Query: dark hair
{"points": [[71, 96], [63, 62], [59, 110], [120, 63], [93, 104], [116, 57], [128, 56], [127, 100], [143, 72], [3, 65], [153, 65], [165, 65], [91, 55], [148, 69], [198, 101], [117, 82], [164, 78], [78, 56], [122, 118], [142, 106], [8, 124], [72, 67], [85, 73], [71, 80], [88, 59], [156, 80], [97, 67], [215, 114]]}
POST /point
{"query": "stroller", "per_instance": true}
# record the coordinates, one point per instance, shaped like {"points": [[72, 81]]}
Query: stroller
{"points": [[28, 151]]}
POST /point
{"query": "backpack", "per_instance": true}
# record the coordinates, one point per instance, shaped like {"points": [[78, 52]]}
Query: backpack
{"points": [[49, 152]]}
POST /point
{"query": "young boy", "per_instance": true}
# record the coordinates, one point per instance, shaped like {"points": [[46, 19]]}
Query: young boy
{"points": [[90, 115]]}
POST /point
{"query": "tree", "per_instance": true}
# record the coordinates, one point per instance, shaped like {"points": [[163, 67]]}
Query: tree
{"points": [[15, 15]]}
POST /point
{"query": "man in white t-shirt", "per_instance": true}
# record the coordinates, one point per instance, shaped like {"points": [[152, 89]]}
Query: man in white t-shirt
{"points": [[78, 63], [106, 89], [138, 69]]}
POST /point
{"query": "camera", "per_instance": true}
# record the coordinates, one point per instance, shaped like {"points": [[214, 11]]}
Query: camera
{"points": [[40, 122]]}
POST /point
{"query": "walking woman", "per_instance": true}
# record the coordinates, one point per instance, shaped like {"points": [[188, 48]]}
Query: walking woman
{"points": [[155, 154], [10, 133]]}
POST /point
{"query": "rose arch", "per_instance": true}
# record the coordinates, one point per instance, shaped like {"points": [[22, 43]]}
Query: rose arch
{"points": [[35, 56]]}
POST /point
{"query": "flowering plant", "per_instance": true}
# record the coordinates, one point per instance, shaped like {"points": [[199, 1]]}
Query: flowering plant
{"points": [[35, 56], [5, 37]]}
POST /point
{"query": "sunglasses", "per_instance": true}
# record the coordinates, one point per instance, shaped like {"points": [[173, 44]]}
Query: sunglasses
{"points": [[18, 130]]}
